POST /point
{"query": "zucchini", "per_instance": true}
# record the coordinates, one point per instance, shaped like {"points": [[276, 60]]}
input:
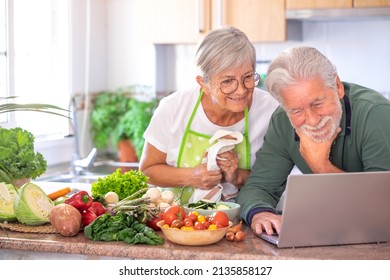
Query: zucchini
{"points": [[222, 207], [206, 204]]}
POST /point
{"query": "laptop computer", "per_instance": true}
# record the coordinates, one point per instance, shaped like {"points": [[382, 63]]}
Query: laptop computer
{"points": [[335, 209]]}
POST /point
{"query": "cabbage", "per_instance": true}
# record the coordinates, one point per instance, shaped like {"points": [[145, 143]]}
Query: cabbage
{"points": [[32, 206], [8, 194]]}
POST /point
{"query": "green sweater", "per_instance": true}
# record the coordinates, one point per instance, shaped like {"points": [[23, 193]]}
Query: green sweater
{"points": [[367, 148]]}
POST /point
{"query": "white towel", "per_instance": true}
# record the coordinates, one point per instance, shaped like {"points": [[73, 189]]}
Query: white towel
{"points": [[223, 145]]}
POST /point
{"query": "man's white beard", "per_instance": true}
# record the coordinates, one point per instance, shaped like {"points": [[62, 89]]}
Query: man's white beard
{"points": [[323, 135]]}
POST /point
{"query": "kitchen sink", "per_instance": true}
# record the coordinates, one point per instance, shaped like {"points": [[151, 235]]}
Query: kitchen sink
{"points": [[108, 167], [89, 175], [71, 178]]}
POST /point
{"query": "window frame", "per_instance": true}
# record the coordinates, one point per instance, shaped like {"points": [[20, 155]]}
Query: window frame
{"points": [[57, 150]]}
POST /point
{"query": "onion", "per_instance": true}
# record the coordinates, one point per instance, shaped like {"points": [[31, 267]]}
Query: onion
{"points": [[167, 196], [154, 194]]}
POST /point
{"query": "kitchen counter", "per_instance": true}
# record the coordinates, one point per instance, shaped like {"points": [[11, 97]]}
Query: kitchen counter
{"points": [[17, 245]]}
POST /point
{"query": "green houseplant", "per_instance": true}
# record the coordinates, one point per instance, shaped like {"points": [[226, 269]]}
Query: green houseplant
{"points": [[18, 160], [34, 107], [119, 117], [108, 108], [134, 122]]}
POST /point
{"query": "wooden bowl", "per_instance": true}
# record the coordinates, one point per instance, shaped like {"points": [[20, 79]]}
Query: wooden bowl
{"points": [[193, 237]]}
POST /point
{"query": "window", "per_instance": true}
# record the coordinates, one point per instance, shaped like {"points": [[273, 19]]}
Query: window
{"points": [[39, 68]]}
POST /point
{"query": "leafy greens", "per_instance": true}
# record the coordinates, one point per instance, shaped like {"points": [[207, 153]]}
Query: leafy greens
{"points": [[123, 185], [121, 227], [17, 156]]}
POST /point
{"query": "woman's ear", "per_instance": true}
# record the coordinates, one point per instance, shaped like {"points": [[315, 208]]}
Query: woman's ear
{"points": [[199, 80], [202, 83]]}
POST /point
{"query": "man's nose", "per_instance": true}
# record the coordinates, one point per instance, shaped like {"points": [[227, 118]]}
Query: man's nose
{"points": [[311, 118]]}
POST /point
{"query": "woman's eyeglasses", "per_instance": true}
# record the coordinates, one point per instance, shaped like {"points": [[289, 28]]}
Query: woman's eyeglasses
{"points": [[230, 85]]}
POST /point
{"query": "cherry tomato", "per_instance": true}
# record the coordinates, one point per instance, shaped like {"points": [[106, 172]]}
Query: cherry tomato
{"points": [[152, 223], [177, 223], [172, 213], [220, 219], [206, 224], [193, 217], [188, 222], [201, 218], [199, 226]]}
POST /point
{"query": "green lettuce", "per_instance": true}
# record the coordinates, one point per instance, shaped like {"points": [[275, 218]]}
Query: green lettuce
{"points": [[123, 184]]}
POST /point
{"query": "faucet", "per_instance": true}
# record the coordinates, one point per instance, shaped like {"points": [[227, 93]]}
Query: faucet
{"points": [[79, 165]]}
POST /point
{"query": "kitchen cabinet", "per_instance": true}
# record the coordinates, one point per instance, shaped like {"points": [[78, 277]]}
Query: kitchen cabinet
{"points": [[335, 4], [178, 21], [371, 3], [318, 4]]}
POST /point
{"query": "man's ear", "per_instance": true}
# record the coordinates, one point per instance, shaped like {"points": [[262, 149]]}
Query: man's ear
{"points": [[340, 87]]}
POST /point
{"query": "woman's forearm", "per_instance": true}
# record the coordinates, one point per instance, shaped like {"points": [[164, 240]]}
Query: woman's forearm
{"points": [[164, 175]]}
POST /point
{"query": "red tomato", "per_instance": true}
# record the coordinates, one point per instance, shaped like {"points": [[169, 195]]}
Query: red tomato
{"points": [[172, 213], [220, 219], [199, 226], [152, 223], [193, 217], [177, 223], [97, 208], [206, 224], [188, 222]]}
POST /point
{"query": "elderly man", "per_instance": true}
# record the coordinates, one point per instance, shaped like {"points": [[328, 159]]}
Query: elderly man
{"points": [[323, 125]]}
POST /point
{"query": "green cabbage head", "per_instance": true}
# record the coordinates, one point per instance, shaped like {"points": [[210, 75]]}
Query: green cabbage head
{"points": [[32, 206], [8, 194]]}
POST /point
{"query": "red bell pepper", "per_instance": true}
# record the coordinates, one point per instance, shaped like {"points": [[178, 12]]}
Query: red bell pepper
{"points": [[152, 223], [97, 208], [81, 200], [88, 217]]}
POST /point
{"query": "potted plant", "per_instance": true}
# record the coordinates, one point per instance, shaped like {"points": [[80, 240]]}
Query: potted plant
{"points": [[34, 107], [119, 118], [133, 124], [108, 108]]}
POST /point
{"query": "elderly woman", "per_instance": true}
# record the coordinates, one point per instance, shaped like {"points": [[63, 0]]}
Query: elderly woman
{"points": [[226, 98]]}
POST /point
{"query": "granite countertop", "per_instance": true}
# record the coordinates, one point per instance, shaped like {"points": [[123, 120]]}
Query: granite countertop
{"points": [[18, 245]]}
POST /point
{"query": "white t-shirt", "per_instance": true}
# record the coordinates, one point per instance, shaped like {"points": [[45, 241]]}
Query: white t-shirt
{"points": [[167, 126]]}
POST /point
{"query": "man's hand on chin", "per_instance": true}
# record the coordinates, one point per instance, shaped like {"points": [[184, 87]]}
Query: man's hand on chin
{"points": [[316, 154]]}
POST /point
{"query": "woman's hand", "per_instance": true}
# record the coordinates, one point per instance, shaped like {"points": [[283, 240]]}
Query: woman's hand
{"points": [[229, 166], [204, 179]]}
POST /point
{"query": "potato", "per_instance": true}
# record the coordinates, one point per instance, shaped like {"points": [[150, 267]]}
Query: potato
{"points": [[66, 219]]}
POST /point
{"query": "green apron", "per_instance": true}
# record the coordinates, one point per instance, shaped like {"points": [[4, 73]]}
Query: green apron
{"points": [[194, 146]]}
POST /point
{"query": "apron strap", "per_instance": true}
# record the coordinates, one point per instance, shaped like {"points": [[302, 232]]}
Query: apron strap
{"points": [[188, 127]]}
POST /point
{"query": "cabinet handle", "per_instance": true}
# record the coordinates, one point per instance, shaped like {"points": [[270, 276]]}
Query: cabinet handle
{"points": [[199, 16]]}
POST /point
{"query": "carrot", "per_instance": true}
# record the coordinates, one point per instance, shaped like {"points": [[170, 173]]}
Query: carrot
{"points": [[59, 193]]}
